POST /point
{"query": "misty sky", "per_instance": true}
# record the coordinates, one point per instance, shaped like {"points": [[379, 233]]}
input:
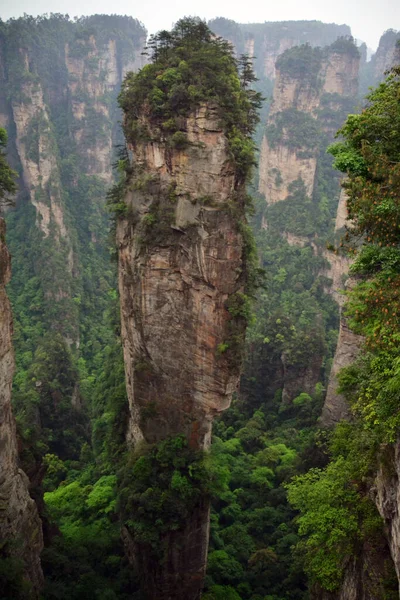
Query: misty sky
{"points": [[368, 19]]}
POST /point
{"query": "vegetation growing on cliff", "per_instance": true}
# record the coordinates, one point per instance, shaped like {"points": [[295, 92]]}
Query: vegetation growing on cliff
{"points": [[7, 175], [190, 67], [370, 156]]}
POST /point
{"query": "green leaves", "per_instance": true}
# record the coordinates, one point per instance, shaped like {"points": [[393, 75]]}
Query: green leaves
{"points": [[191, 67]]}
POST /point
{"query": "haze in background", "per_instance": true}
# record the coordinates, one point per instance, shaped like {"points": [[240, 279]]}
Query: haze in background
{"points": [[368, 19]]}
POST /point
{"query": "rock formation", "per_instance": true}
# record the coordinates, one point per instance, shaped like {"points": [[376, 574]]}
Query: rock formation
{"points": [[387, 54], [314, 90], [180, 263], [21, 539], [178, 266], [302, 95], [59, 83]]}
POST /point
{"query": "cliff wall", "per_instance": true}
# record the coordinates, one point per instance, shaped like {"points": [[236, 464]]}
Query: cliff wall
{"points": [[288, 151], [180, 261], [61, 114], [314, 91], [21, 537]]}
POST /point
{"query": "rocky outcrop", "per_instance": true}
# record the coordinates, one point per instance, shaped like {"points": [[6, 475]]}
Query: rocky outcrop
{"points": [[386, 494], [181, 261], [20, 528], [288, 154], [387, 55], [336, 407]]}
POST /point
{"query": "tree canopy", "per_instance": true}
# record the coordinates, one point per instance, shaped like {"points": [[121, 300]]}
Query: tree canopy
{"points": [[189, 67]]}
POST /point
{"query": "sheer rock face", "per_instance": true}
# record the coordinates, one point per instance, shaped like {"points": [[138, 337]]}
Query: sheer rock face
{"points": [[387, 54], [174, 289], [338, 74], [336, 407], [386, 494], [39, 165], [20, 527], [281, 165], [92, 77], [364, 576], [180, 260]]}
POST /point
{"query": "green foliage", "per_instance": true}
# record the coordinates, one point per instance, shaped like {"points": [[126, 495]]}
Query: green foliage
{"points": [[295, 129], [336, 515], [189, 67], [301, 62], [160, 487], [7, 175]]}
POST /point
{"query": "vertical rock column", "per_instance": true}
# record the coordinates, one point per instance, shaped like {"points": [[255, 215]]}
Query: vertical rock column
{"points": [[20, 527], [181, 265]]}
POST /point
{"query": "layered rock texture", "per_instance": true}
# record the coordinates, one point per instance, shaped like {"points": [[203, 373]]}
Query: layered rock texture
{"points": [[21, 539], [303, 98], [181, 262], [59, 82], [314, 91]]}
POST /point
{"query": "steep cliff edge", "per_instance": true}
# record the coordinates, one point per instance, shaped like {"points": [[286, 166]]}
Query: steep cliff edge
{"points": [[310, 83], [183, 248], [60, 110], [21, 540], [178, 268], [314, 90]]}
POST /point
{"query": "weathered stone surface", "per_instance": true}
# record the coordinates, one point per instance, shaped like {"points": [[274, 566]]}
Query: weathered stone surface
{"points": [[365, 576], [20, 527], [386, 494], [281, 165], [387, 54], [336, 407], [39, 168], [175, 277], [97, 72]]}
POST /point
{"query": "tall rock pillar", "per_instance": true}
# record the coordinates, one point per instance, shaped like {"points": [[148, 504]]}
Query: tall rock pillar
{"points": [[183, 252]]}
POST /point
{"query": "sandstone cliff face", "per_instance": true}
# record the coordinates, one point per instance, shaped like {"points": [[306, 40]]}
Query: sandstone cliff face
{"points": [[95, 72], [180, 261], [336, 75], [348, 346], [37, 153], [387, 54], [174, 289], [386, 494], [60, 112], [308, 103], [20, 527]]}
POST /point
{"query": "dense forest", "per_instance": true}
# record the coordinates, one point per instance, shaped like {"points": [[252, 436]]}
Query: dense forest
{"points": [[227, 156]]}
